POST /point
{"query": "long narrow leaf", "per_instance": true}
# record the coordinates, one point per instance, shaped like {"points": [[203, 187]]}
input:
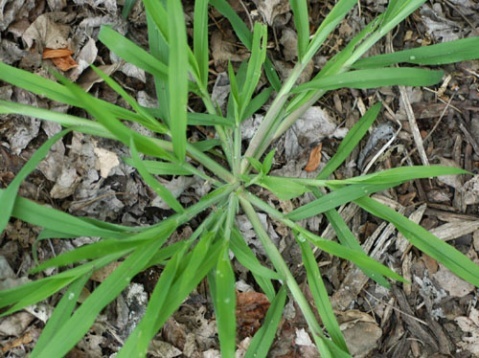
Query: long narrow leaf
{"points": [[263, 339], [374, 78], [61, 314], [439, 250], [443, 53], [222, 285], [328, 25], [66, 120], [248, 259], [131, 52], [335, 199], [121, 132], [347, 238], [350, 141], [301, 21], [36, 291], [253, 74], [165, 301], [154, 184], [146, 119], [8, 195], [400, 174], [245, 36], [73, 330], [53, 219], [200, 38], [320, 295], [54, 91], [160, 168], [178, 77], [137, 342]]}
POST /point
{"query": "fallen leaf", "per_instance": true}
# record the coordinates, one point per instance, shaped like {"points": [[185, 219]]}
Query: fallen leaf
{"points": [[56, 53], [106, 161], [450, 282], [48, 31], [61, 58], [470, 326], [18, 342], [270, 9], [360, 331], [251, 308], [314, 158]]}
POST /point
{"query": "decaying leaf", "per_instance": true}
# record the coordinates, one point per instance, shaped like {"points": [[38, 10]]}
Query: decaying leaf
{"points": [[360, 331], [66, 183], [470, 326], [224, 50], [85, 57], [46, 31], [470, 191], [314, 125], [251, 308], [15, 324], [90, 77], [314, 158], [453, 284], [270, 9], [106, 161]]}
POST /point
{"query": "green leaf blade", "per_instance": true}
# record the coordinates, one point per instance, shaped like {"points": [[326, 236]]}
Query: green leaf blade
{"points": [[301, 22], [200, 38], [444, 253], [178, 77], [373, 78], [131, 52], [440, 54]]}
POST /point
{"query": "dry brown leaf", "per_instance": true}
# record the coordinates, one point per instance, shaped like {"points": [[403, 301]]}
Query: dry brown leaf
{"points": [[314, 158], [251, 308], [56, 53], [61, 58], [18, 342]]}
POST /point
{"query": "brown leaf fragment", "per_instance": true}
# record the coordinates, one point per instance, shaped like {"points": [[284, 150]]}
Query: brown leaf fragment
{"points": [[314, 159], [251, 308], [55, 53], [17, 342], [61, 58]]}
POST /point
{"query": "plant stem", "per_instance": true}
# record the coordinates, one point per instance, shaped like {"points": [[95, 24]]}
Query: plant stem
{"points": [[210, 164], [280, 265]]}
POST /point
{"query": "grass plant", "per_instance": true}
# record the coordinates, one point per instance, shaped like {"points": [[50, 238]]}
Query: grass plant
{"points": [[178, 71]]}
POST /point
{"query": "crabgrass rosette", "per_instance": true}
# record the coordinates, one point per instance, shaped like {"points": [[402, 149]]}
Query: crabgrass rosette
{"points": [[179, 70]]}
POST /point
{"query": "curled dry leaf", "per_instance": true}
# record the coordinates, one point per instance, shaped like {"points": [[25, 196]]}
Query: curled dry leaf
{"points": [[314, 158], [61, 58]]}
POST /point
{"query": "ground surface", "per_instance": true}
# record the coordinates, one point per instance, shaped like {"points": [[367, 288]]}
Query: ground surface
{"points": [[436, 316]]}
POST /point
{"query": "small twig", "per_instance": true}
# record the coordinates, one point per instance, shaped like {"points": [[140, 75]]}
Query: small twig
{"points": [[410, 113], [413, 124], [395, 308], [442, 100], [464, 17], [433, 128], [469, 137], [247, 14]]}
